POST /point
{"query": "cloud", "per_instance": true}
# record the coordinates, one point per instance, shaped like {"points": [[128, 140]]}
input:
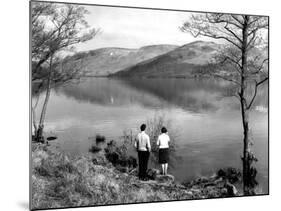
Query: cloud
{"points": [[134, 28]]}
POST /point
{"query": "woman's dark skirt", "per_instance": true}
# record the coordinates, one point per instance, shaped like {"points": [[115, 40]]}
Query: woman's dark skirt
{"points": [[163, 155]]}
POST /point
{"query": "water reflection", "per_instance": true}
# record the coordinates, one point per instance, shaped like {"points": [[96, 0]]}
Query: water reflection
{"points": [[199, 95]]}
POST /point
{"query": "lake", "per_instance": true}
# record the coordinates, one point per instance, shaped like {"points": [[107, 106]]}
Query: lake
{"points": [[205, 116]]}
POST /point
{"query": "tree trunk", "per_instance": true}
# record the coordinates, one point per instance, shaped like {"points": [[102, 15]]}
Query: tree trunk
{"points": [[244, 111], [33, 108], [246, 149], [34, 122], [39, 133]]}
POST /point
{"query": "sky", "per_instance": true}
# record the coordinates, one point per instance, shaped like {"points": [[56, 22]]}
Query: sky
{"points": [[134, 28]]}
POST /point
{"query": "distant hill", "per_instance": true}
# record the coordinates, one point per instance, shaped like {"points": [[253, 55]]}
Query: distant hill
{"points": [[180, 62], [192, 59], [105, 61]]}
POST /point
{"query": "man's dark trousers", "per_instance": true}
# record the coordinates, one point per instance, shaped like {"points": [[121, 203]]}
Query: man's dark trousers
{"points": [[143, 161]]}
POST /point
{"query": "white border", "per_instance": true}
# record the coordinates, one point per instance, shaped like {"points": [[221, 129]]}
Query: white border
{"points": [[15, 104]]}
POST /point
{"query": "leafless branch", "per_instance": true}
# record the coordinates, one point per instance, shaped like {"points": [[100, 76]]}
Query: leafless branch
{"points": [[235, 35], [257, 84], [260, 67], [236, 18], [227, 58], [228, 79]]}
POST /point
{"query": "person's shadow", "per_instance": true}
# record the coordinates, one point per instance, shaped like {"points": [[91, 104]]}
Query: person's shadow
{"points": [[24, 205]]}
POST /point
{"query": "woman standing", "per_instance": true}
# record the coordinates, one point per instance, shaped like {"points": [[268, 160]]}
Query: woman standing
{"points": [[163, 144]]}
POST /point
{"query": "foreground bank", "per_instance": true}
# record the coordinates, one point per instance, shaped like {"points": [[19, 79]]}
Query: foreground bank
{"points": [[60, 181]]}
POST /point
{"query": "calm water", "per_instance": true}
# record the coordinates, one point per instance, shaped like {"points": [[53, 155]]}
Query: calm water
{"points": [[207, 120]]}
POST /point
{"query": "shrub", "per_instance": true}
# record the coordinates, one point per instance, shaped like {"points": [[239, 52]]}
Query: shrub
{"points": [[94, 149], [118, 156], [100, 138], [233, 175]]}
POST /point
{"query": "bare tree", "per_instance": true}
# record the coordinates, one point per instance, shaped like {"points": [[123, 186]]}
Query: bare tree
{"points": [[246, 58], [55, 29], [33, 109]]}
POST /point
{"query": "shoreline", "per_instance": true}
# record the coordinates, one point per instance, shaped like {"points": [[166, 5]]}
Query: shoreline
{"points": [[94, 180]]}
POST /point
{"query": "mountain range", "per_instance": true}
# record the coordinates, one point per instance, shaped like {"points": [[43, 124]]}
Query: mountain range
{"points": [[147, 61], [183, 61], [107, 61]]}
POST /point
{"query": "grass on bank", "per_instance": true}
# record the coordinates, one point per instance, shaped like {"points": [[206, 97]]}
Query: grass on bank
{"points": [[58, 181]]}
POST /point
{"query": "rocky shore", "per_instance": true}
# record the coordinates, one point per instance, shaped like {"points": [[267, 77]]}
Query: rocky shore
{"points": [[98, 179]]}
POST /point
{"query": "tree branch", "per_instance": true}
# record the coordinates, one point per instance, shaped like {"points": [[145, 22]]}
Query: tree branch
{"points": [[228, 79], [260, 67], [233, 61], [221, 20], [219, 37], [235, 35], [235, 18], [262, 81], [255, 91]]}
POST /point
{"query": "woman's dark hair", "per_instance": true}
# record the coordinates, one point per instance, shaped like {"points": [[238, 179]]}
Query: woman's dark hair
{"points": [[142, 127], [163, 130]]}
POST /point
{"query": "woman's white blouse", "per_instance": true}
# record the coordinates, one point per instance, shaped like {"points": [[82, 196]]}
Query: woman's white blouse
{"points": [[163, 141]]}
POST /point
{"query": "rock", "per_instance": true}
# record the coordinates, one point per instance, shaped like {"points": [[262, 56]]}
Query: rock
{"points": [[100, 160], [94, 149], [122, 169], [231, 189], [180, 186], [218, 180], [202, 180], [100, 138], [134, 172], [165, 178], [189, 193], [51, 138], [224, 191], [195, 190], [132, 162], [209, 184], [188, 184], [152, 173], [195, 186], [231, 174]]}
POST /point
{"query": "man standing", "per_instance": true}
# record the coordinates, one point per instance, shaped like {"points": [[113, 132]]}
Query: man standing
{"points": [[142, 144]]}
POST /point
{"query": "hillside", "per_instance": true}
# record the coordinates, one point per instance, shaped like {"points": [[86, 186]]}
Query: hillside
{"points": [[105, 61], [180, 62]]}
